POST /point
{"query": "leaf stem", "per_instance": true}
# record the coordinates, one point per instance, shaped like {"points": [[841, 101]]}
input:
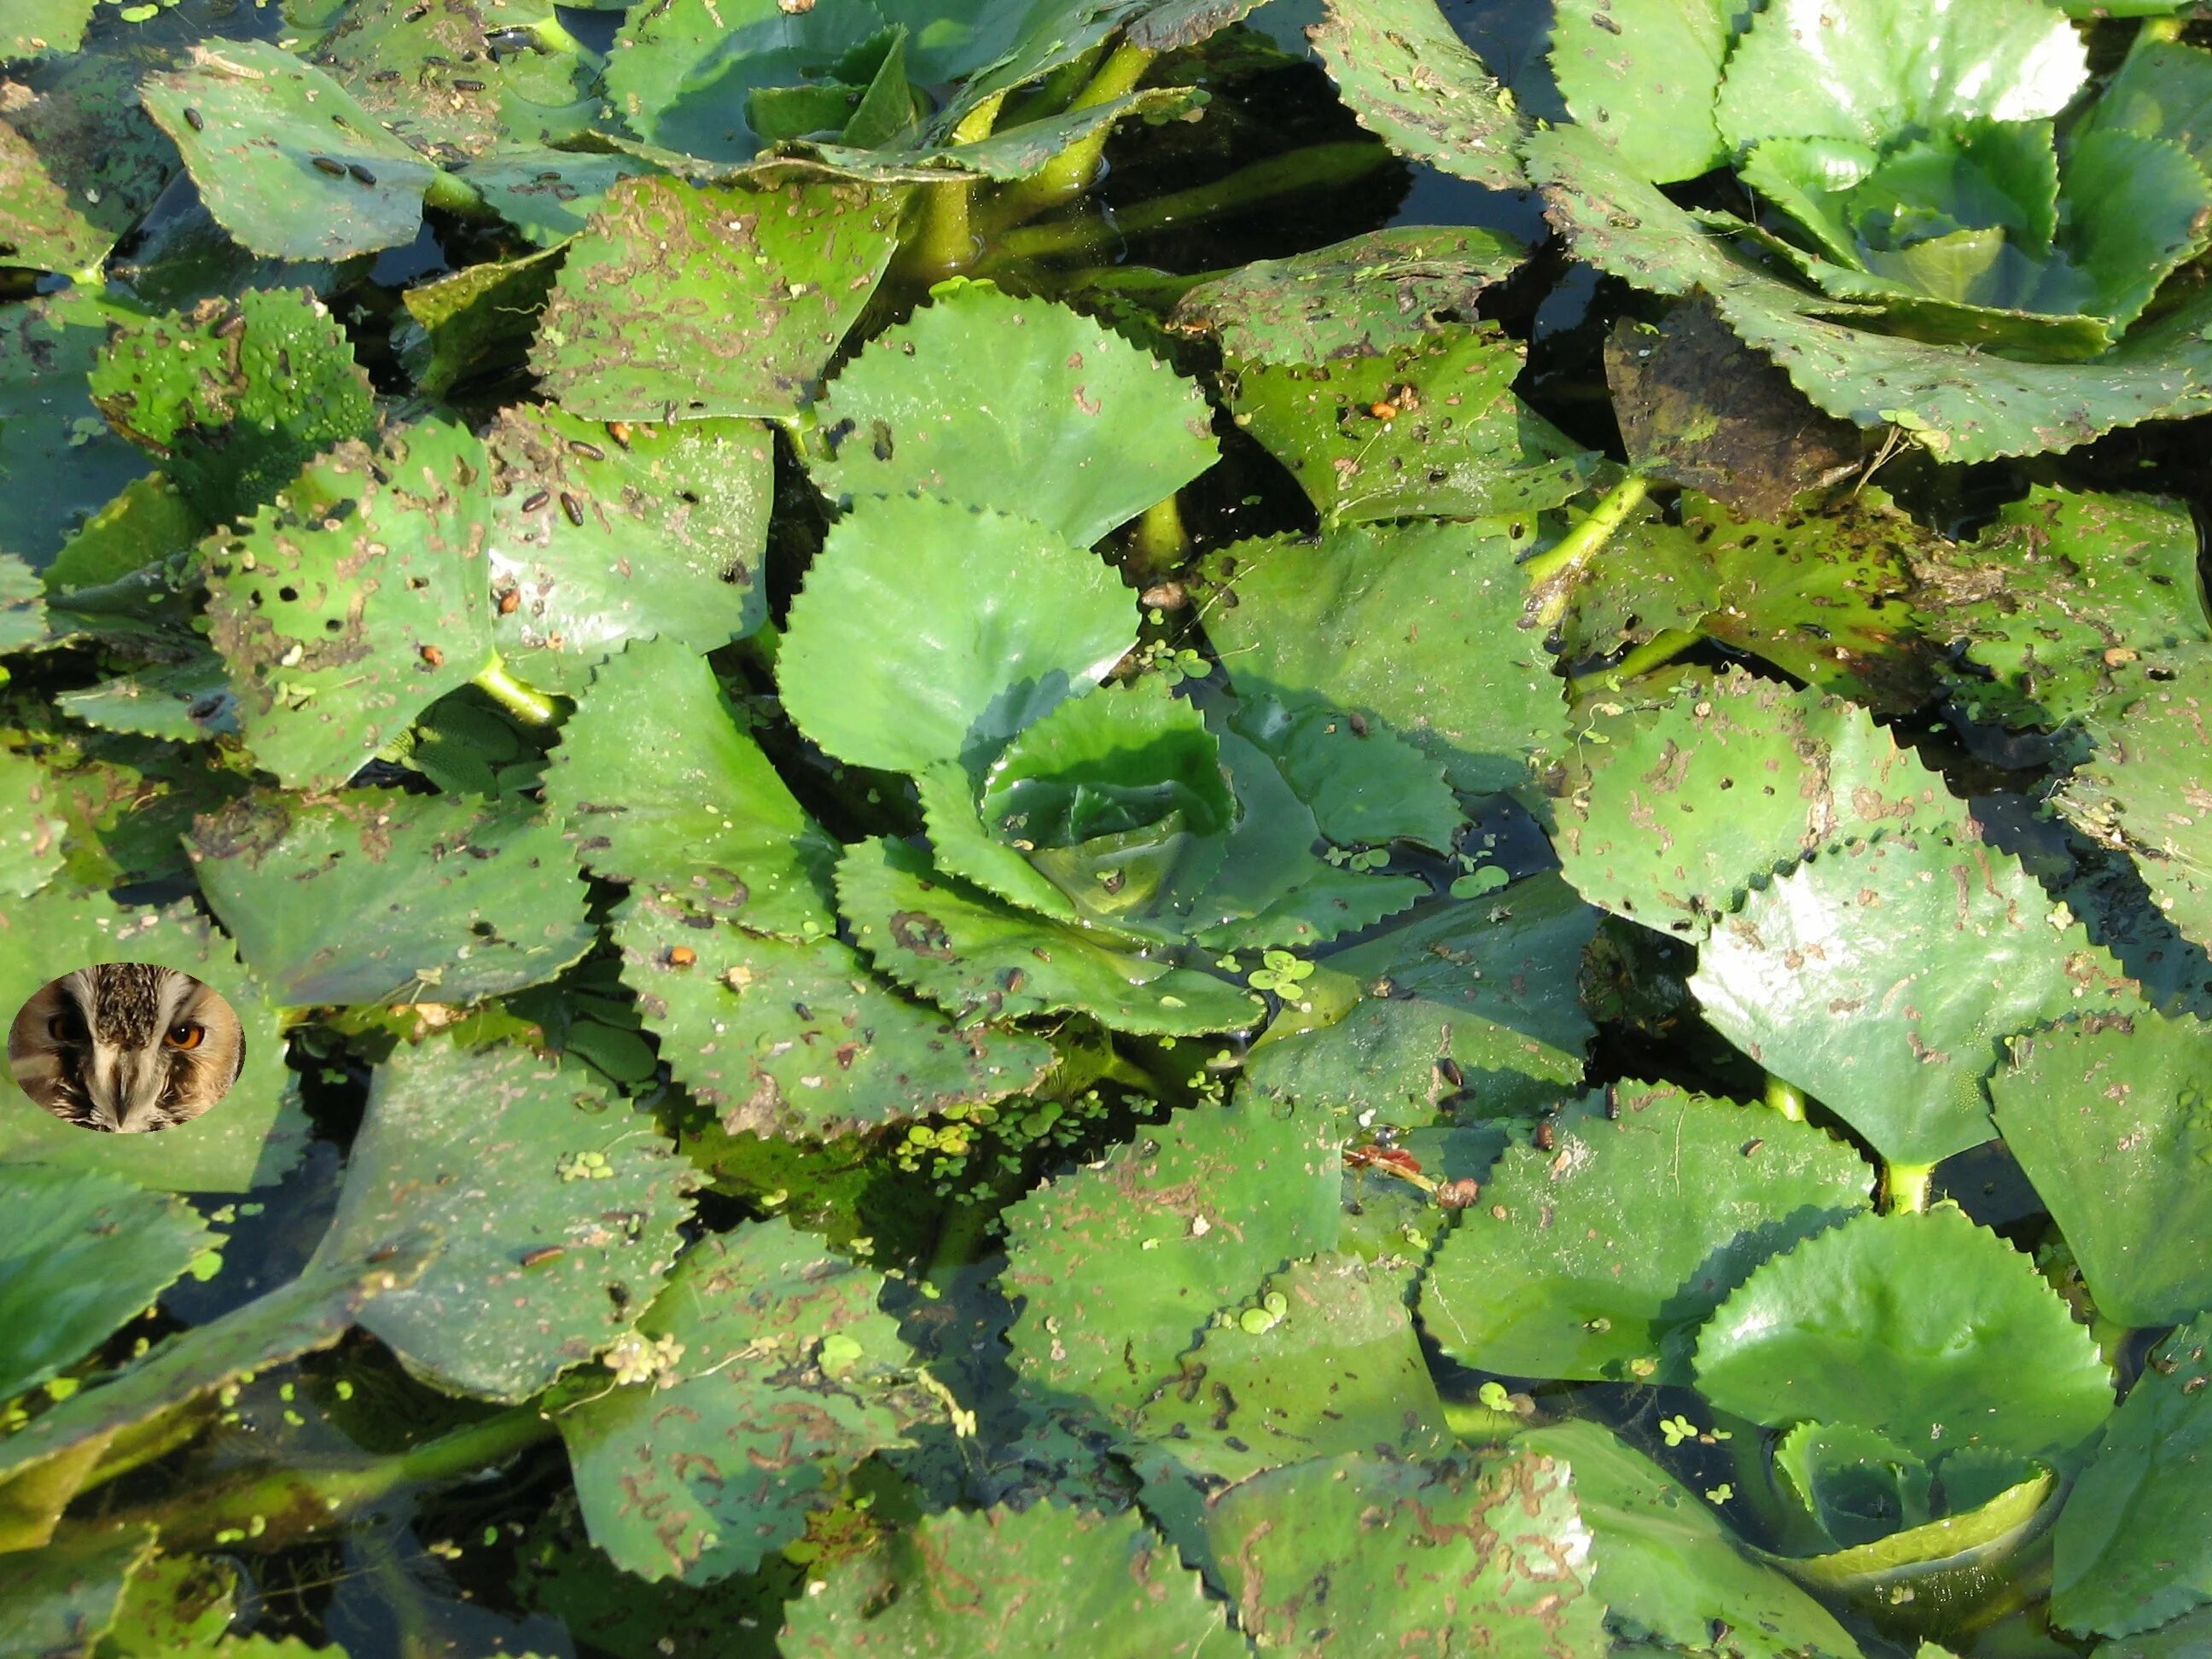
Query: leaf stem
{"points": [[944, 240], [1317, 166], [1075, 169], [1657, 651], [1160, 541], [1477, 1424], [1786, 1098], [1552, 574], [273, 1511], [1904, 1188], [2159, 28], [527, 704], [454, 194]]}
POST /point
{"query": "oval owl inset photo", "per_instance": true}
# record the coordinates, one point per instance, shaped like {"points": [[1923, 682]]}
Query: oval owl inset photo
{"points": [[125, 1047]]}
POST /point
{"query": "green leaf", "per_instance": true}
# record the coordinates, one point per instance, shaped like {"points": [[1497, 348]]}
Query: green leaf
{"points": [[548, 195], [475, 321], [435, 77], [1119, 1266], [1889, 68], [62, 1599], [444, 899], [1432, 428], [1415, 627], [1679, 810], [188, 702], [681, 801], [40, 229], [982, 960], [1924, 1328], [302, 1315], [717, 1460], [85, 1252], [31, 825], [1953, 1561], [1410, 79], [556, 1217], [1643, 75], [1670, 1568], [1118, 799], [279, 150], [83, 119], [798, 1040], [1969, 407], [1338, 1370], [250, 1140], [22, 605], [2163, 90], [1362, 786], [2134, 1545], [674, 529], [929, 631], [356, 600], [235, 396], [1883, 978], [680, 301], [1367, 296], [2070, 600], [2183, 1638], [1360, 1553], [961, 1582], [2112, 1125], [2141, 790], [1017, 405], [1599, 1258], [680, 74], [42, 28], [58, 461], [1858, 1486]]}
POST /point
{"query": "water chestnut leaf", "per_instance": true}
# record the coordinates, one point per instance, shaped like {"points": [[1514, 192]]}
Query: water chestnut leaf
{"points": [[982, 960], [1415, 630], [673, 527], [1478, 995], [356, 598], [681, 300], [538, 1270], [1412, 81], [738, 1429], [255, 1135], [476, 321], [659, 784], [69, 1594], [1952, 1560], [59, 462], [31, 840], [40, 229], [2070, 600], [235, 396], [797, 1039], [2142, 791], [285, 158], [1856, 1485], [1364, 785], [1883, 69], [1489, 1556], [1674, 813], [1429, 429], [43, 28], [997, 619], [548, 195], [1117, 1268], [445, 900], [86, 1253], [1007, 1578], [1599, 1257], [1643, 74], [1973, 1348], [1368, 296], [1337, 1369], [1018, 406], [2131, 1550], [1936, 948], [1670, 1567], [2113, 1122], [302, 1315]]}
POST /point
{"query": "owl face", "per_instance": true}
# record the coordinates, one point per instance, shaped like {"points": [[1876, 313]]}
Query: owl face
{"points": [[125, 1047]]}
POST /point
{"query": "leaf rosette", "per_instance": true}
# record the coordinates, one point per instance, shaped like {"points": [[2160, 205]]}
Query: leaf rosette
{"points": [[1929, 190]]}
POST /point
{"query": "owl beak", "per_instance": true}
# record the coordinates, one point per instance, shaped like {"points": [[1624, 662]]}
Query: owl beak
{"points": [[124, 1083]]}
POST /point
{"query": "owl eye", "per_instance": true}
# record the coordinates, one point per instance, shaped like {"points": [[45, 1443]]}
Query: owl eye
{"points": [[186, 1036]]}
